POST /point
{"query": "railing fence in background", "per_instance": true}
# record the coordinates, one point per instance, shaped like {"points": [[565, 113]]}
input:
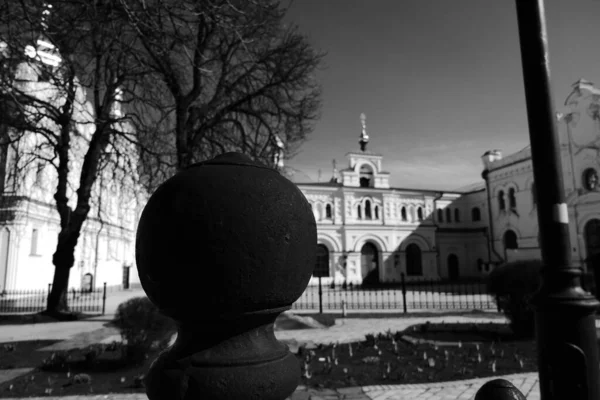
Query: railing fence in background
{"points": [[421, 294], [35, 300]]}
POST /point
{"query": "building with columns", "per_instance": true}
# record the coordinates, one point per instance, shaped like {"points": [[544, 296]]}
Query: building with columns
{"points": [[512, 199], [371, 232], [368, 230]]}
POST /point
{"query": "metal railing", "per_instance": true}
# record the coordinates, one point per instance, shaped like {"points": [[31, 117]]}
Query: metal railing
{"points": [[35, 300], [413, 294]]}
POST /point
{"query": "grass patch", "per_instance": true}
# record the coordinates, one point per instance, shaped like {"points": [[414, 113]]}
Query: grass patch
{"points": [[383, 359], [97, 369], [387, 359]]}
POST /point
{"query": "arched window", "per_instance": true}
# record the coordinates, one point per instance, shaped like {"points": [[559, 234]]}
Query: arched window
{"points": [[366, 176], [533, 194], [328, 211], [456, 215], [368, 209], [440, 215], [358, 212], [322, 264], [414, 265], [403, 214], [420, 214], [475, 214], [590, 179], [448, 215], [512, 199], [501, 203], [376, 210], [510, 240]]}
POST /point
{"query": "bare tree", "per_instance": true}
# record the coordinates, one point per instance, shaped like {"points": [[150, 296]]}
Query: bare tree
{"points": [[70, 72], [237, 79]]}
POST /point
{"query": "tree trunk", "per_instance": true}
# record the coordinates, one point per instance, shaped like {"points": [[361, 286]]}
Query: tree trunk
{"points": [[57, 300], [63, 259]]}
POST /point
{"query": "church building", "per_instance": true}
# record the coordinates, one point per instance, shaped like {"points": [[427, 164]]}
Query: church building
{"points": [[371, 232]]}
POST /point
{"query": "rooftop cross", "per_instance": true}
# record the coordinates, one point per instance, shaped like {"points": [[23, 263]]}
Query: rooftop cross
{"points": [[364, 137]]}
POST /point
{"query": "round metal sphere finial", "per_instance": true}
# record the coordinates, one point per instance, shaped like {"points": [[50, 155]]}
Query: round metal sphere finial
{"points": [[499, 389], [223, 247]]}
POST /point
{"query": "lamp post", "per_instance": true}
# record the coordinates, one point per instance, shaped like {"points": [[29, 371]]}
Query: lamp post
{"points": [[565, 322]]}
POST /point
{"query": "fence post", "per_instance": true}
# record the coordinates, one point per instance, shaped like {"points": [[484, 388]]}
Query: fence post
{"points": [[320, 297], [104, 299], [499, 389], [48, 297], [403, 292], [343, 309], [274, 257]]}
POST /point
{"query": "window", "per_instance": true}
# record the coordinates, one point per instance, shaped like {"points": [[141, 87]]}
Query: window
{"points": [[376, 212], [358, 212], [322, 263], [456, 215], [501, 203], [368, 209], [448, 215], [480, 265], [414, 265], [475, 214], [403, 214], [512, 199], [328, 211], [590, 179], [510, 240], [440, 215], [420, 214], [366, 176], [533, 194], [34, 242]]}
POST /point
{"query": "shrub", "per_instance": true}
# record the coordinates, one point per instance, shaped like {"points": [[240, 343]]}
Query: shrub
{"points": [[513, 284], [142, 325]]}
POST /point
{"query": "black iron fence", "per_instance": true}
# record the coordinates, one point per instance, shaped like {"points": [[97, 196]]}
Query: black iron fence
{"points": [[35, 300], [421, 294]]}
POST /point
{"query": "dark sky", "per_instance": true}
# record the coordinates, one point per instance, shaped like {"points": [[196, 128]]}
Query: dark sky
{"points": [[439, 80]]}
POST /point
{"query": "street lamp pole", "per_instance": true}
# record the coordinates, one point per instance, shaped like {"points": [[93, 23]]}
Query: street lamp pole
{"points": [[565, 313]]}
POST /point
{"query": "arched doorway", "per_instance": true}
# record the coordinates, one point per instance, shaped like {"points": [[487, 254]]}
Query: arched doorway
{"points": [[592, 246], [4, 246], [414, 262], [453, 267], [369, 262], [322, 264]]}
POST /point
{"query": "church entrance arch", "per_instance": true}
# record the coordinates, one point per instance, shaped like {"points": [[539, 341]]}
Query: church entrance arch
{"points": [[592, 246], [453, 267], [369, 260]]}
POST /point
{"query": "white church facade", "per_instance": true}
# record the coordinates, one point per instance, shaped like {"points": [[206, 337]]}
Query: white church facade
{"points": [[370, 231], [29, 221], [514, 224]]}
